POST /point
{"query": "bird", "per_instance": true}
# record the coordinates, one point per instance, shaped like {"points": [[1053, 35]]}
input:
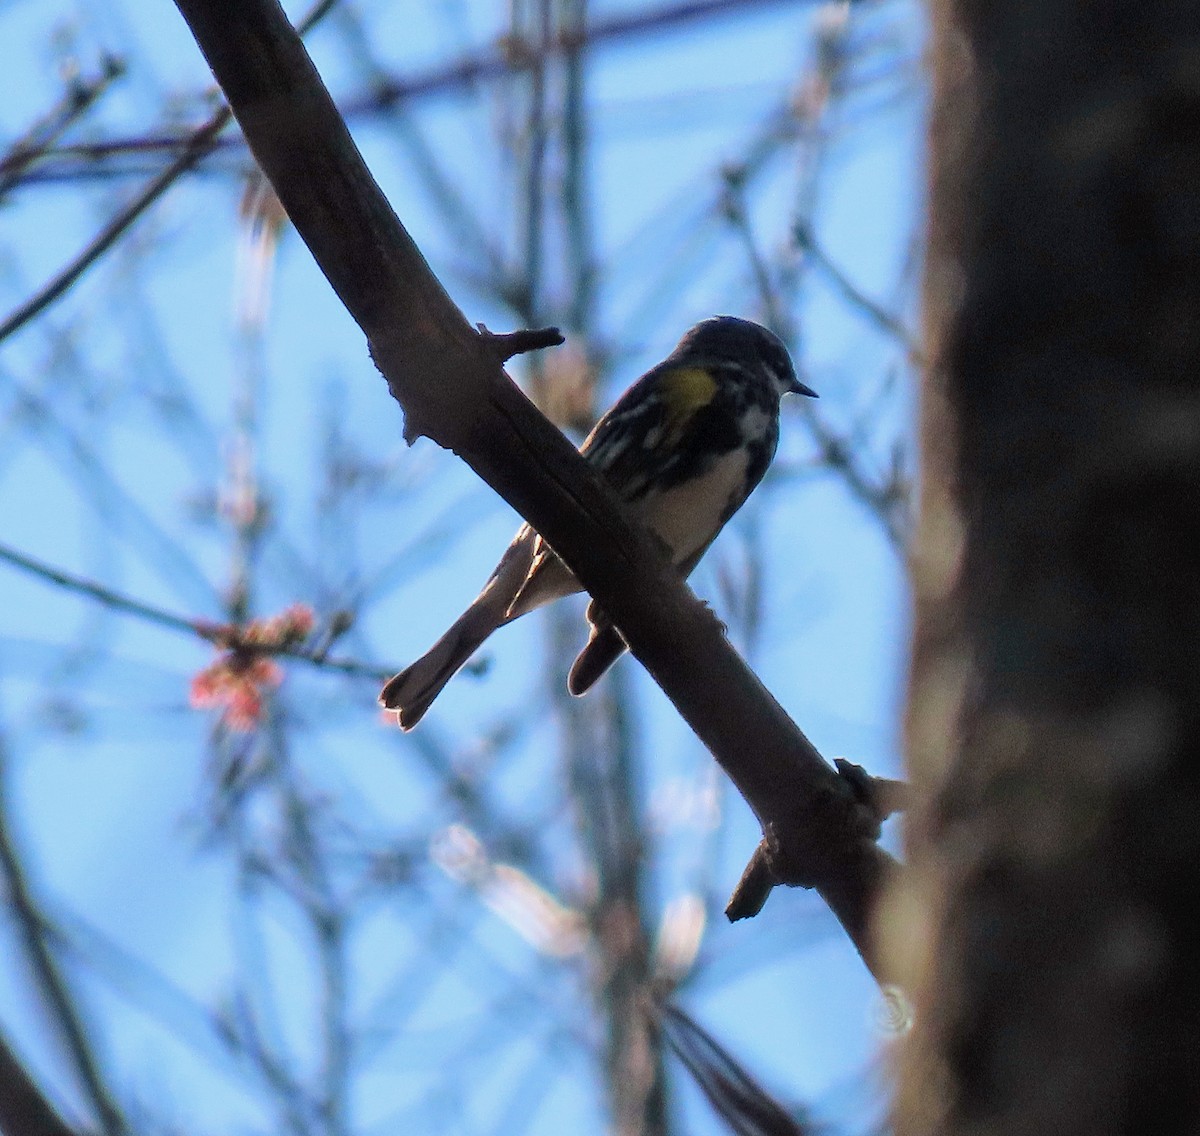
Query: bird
{"points": [[683, 447]]}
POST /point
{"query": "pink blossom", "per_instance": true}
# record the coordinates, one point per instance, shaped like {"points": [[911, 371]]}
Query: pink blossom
{"points": [[236, 681]]}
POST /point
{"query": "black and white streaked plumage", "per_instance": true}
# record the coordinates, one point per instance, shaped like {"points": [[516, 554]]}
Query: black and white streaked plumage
{"points": [[683, 447]]}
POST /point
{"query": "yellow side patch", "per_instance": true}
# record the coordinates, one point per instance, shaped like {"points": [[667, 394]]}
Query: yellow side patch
{"points": [[685, 391]]}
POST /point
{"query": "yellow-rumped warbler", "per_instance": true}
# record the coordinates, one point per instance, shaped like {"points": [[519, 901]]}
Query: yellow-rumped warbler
{"points": [[683, 447]]}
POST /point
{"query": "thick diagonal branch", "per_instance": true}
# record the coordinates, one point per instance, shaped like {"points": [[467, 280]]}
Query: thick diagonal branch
{"points": [[452, 388]]}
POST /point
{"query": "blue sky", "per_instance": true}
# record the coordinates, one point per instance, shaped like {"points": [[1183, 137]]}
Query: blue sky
{"points": [[102, 474]]}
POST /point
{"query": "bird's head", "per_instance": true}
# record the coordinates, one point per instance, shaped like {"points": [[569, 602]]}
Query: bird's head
{"points": [[745, 343]]}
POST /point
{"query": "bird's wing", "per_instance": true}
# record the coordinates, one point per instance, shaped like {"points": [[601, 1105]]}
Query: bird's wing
{"points": [[642, 436], [636, 445]]}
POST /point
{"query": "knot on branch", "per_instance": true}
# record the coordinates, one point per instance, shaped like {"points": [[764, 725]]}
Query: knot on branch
{"points": [[507, 344], [810, 854], [808, 858], [818, 847]]}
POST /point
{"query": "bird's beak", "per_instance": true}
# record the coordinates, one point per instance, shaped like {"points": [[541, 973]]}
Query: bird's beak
{"points": [[797, 387]]}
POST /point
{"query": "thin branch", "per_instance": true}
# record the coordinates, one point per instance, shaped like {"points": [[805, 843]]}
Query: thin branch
{"points": [[503, 60], [734, 1094], [79, 97], [887, 499], [806, 240], [221, 635], [196, 145], [512, 343], [884, 796], [884, 497], [306, 878], [295, 1106], [575, 200], [106, 596]]}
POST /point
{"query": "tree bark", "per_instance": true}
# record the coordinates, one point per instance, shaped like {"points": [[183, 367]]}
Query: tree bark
{"points": [[1047, 929]]}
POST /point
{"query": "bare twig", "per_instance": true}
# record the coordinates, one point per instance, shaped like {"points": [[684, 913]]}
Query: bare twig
{"points": [[79, 97], [246, 1038], [106, 596], [198, 144], [222, 635], [853, 295], [753, 889], [503, 59], [507, 345], [885, 497], [884, 796], [195, 146], [734, 1094]]}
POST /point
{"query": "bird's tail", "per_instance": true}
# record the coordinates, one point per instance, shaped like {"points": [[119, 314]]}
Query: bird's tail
{"points": [[413, 690]]}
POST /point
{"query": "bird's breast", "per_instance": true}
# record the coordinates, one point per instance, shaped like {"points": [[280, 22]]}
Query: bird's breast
{"points": [[688, 515]]}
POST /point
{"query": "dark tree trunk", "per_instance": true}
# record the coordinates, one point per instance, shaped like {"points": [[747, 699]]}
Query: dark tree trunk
{"points": [[1049, 926]]}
